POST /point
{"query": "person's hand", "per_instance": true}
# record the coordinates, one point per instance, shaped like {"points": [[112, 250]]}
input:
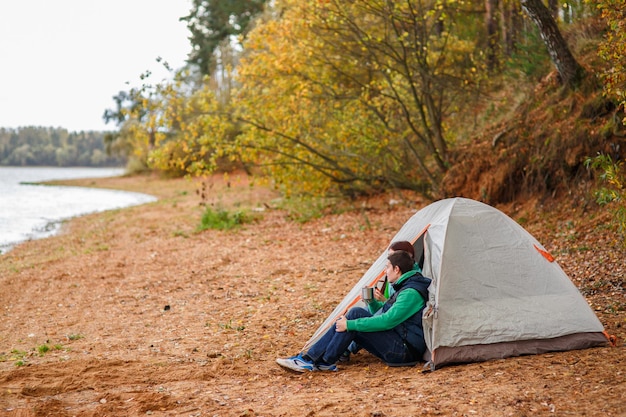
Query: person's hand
{"points": [[341, 325], [378, 294]]}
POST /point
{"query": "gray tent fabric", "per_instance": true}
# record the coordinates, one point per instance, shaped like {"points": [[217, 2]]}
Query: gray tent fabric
{"points": [[495, 290]]}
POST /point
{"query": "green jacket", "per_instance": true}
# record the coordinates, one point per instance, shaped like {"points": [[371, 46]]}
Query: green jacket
{"points": [[408, 303]]}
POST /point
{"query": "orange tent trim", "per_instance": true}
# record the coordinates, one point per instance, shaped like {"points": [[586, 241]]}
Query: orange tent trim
{"points": [[544, 253]]}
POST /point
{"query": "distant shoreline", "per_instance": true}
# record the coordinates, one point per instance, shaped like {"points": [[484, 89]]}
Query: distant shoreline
{"points": [[34, 206]]}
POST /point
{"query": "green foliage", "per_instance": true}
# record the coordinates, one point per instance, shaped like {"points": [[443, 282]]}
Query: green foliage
{"points": [[47, 146], [42, 349], [613, 194], [18, 354], [200, 132], [139, 114], [212, 22], [613, 49], [530, 56], [222, 219]]}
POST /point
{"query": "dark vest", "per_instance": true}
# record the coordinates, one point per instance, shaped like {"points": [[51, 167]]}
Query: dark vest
{"points": [[411, 330]]}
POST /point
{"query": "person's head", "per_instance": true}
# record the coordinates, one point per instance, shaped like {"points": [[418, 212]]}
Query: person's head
{"points": [[398, 263], [402, 245]]}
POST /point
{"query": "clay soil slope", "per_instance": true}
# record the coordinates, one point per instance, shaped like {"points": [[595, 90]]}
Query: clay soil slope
{"points": [[132, 312]]}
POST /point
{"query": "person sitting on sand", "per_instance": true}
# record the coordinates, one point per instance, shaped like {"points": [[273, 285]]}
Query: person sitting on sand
{"points": [[396, 335], [383, 293]]}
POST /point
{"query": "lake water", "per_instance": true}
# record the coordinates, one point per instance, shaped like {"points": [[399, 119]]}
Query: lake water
{"points": [[30, 211]]}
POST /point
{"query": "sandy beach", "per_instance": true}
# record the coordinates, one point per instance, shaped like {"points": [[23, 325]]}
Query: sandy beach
{"points": [[133, 312]]}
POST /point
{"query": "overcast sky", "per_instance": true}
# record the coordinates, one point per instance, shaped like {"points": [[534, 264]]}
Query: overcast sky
{"points": [[62, 61]]}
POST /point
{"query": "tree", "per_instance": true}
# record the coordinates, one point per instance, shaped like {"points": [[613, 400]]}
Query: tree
{"points": [[49, 146], [334, 96], [569, 69], [491, 24], [137, 113], [200, 132], [355, 94], [213, 21], [613, 50]]}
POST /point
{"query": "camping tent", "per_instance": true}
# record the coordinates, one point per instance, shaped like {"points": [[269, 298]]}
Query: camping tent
{"points": [[496, 292]]}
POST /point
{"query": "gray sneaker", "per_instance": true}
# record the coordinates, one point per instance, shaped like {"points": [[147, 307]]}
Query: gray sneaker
{"points": [[300, 364], [296, 363]]}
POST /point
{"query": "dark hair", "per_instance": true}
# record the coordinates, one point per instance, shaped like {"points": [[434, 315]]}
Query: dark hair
{"points": [[402, 260], [404, 246]]}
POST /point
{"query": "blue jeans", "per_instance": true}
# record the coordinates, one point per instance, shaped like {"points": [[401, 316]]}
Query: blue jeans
{"points": [[386, 345]]}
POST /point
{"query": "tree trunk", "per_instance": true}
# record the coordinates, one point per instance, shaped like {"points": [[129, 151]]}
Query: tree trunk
{"points": [[569, 69], [511, 25], [492, 34], [553, 5]]}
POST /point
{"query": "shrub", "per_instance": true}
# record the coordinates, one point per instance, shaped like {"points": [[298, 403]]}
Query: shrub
{"points": [[613, 193], [221, 219]]}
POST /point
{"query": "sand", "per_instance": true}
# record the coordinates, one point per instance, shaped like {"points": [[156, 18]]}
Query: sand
{"points": [[133, 312]]}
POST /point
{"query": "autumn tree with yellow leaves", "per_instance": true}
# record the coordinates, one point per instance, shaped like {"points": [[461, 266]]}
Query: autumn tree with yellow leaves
{"points": [[356, 94], [336, 97]]}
